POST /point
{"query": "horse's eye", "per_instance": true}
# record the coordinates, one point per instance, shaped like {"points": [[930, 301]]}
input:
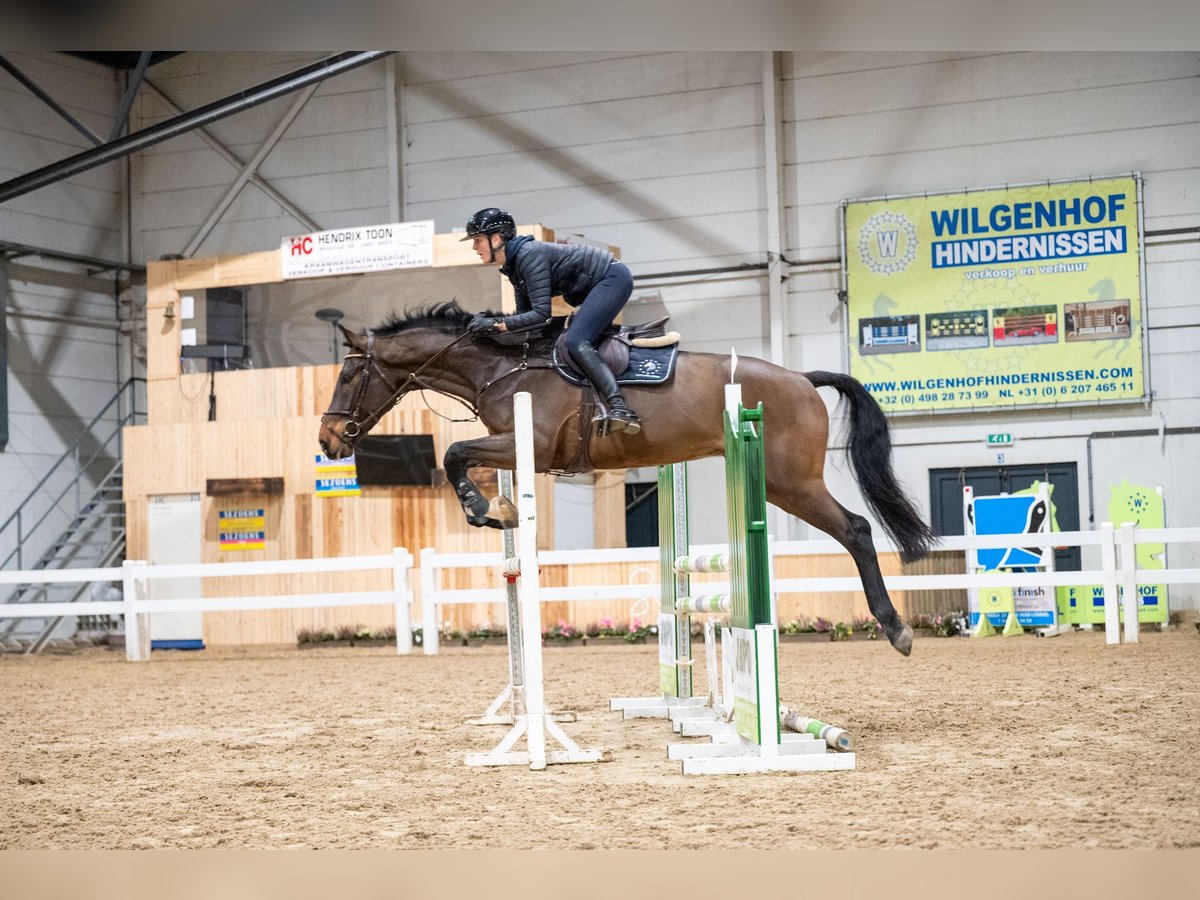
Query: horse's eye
{"points": [[347, 376]]}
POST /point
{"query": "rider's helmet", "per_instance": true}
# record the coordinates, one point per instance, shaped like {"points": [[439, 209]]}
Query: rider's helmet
{"points": [[491, 221]]}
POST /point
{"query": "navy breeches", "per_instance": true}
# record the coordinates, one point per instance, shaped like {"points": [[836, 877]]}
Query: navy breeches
{"points": [[602, 305]]}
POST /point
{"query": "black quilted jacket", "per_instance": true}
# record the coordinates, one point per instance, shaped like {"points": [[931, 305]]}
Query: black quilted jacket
{"points": [[539, 270]]}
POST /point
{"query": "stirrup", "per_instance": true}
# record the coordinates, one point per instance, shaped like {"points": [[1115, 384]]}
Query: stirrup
{"points": [[621, 418], [631, 425]]}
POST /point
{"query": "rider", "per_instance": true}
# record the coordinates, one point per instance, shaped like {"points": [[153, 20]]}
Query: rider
{"points": [[590, 279]]}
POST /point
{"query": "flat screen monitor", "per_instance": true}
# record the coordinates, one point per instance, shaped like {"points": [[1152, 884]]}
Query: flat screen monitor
{"points": [[395, 459]]}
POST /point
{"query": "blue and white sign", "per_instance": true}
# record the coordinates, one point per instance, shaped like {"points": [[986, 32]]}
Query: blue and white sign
{"points": [[1028, 512], [1015, 514]]}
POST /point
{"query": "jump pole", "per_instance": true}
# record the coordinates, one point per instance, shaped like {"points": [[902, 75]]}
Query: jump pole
{"points": [[533, 722], [674, 629], [513, 693], [759, 743]]}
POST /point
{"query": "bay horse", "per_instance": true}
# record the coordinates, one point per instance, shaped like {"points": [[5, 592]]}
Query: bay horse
{"points": [[430, 349]]}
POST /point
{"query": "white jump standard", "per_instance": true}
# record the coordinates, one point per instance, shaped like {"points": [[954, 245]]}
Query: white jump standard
{"points": [[532, 721], [513, 694]]}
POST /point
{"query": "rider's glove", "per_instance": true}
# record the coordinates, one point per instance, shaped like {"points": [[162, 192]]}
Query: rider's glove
{"points": [[481, 325]]}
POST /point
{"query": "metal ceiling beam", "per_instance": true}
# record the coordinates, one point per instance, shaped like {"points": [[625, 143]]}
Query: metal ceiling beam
{"points": [[205, 115], [135, 81], [394, 100], [32, 87], [226, 154], [247, 170], [93, 284], [77, 321], [11, 250]]}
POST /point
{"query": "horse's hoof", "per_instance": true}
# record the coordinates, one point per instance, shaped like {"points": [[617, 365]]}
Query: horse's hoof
{"points": [[484, 522], [903, 641], [503, 512]]}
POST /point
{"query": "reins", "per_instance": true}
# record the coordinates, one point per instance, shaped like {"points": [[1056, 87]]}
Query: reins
{"points": [[357, 425]]}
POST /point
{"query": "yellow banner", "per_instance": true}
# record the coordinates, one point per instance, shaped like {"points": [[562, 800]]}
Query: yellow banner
{"points": [[241, 529], [998, 298], [337, 478]]}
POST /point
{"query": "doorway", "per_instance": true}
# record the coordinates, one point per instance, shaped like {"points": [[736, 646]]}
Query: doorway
{"points": [[641, 514], [175, 537]]}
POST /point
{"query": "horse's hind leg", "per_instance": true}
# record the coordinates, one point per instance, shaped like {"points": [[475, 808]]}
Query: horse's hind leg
{"points": [[813, 503]]}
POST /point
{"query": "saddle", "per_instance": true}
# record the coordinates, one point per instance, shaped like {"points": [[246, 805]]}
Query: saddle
{"points": [[636, 354]]}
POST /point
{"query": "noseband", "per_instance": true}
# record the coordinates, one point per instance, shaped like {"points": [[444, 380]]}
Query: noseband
{"points": [[357, 424]]}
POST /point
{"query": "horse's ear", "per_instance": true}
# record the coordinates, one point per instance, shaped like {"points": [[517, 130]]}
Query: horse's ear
{"points": [[352, 339]]}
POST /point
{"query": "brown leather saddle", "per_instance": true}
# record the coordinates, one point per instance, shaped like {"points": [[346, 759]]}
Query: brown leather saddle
{"points": [[636, 354]]}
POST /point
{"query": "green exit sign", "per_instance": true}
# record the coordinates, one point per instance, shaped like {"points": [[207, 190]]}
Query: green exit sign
{"points": [[999, 440]]}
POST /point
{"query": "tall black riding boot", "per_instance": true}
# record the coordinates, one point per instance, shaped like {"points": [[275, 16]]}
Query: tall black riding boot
{"points": [[620, 416]]}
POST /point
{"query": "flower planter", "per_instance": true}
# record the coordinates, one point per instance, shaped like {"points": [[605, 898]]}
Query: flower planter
{"points": [[799, 637], [825, 636], [380, 642]]}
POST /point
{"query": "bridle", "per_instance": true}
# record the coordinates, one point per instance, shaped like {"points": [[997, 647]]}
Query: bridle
{"points": [[357, 424]]}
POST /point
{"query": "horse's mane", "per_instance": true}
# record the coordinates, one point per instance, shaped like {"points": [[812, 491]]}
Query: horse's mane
{"points": [[447, 317], [450, 318]]}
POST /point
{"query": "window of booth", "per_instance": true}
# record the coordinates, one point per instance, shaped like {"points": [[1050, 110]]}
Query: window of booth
{"points": [[276, 325]]}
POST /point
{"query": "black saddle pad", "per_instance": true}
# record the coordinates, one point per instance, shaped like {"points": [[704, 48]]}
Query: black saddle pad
{"points": [[647, 365]]}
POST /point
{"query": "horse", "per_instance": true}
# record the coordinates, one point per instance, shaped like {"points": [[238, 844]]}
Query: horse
{"points": [[429, 348]]}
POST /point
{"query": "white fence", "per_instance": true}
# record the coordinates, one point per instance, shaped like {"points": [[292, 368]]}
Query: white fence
{"points": [[137, 608], [1118, 567]]}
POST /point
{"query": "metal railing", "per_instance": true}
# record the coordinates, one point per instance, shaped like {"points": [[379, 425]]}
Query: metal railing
{"points": [[68, 475], [74, 515]]}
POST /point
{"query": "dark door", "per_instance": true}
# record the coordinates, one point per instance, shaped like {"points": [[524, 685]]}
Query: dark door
{"points": [[641, 515], [946, 488]]}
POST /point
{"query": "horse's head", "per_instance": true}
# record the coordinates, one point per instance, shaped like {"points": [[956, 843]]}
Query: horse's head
{"points": [[382, 366], [362, 394]]}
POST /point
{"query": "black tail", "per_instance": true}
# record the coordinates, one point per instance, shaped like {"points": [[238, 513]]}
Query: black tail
{"points": [[870, 448]]}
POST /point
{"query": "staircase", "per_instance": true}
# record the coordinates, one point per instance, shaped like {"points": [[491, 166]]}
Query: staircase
{"points": [[73, 518]]}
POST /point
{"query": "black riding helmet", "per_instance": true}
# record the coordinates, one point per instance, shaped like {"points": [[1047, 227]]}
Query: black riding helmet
{"points": [[491, 221]]}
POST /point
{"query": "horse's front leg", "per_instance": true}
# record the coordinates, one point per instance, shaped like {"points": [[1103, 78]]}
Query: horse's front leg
{"points": [[496, 451]]}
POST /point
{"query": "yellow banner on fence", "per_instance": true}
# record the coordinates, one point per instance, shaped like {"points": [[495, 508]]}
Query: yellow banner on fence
{"points": [[998, 298]]}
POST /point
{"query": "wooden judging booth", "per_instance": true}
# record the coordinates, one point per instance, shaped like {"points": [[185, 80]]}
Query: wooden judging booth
{"points": [[230, 442], [239, 442]]}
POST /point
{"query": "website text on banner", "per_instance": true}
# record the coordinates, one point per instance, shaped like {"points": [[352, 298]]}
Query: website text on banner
{"points": [[997, 298]]}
